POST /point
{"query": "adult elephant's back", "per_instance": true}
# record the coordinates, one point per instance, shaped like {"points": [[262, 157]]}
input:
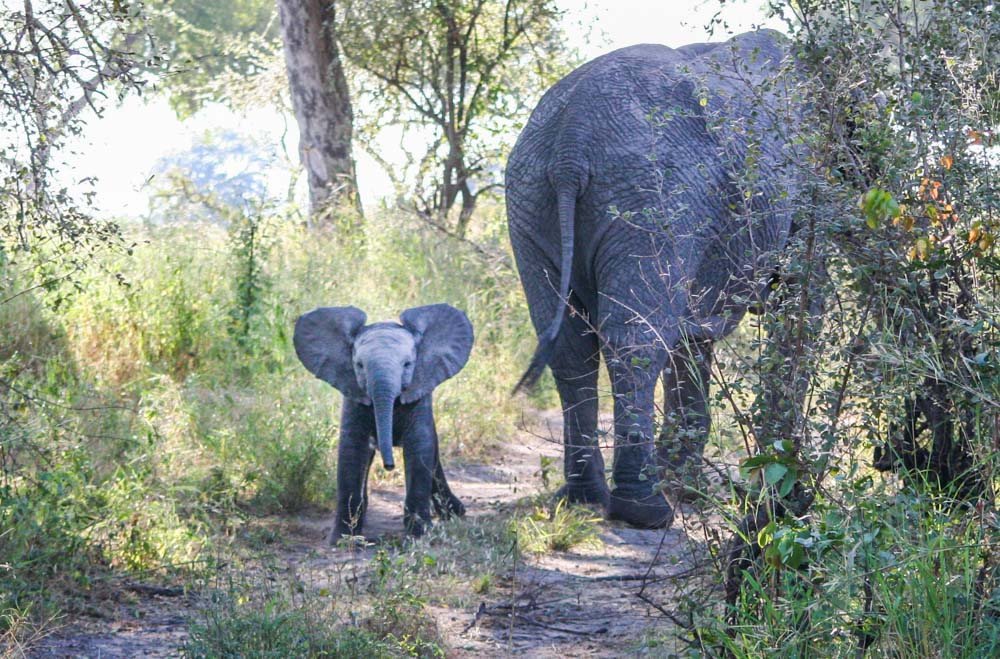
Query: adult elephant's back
{"points": [[643, 146]]}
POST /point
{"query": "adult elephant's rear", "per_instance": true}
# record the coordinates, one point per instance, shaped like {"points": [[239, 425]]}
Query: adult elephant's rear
{"points": [[646, 194]]}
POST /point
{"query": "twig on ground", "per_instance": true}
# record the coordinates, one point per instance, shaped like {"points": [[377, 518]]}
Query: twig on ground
{"points": [[147, 589]]}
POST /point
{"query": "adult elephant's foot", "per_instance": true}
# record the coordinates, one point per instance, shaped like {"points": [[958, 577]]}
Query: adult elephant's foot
{"points": [[335, 536], [416, 525], [686, 483], [645, 512], [448, 506], [596, 492], [341, 529]]}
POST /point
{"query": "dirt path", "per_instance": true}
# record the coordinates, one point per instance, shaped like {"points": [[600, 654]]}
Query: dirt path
{"points": [[579, 603]]}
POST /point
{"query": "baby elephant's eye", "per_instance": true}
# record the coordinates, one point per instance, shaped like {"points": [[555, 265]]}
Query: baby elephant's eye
{"points": [[359, 366], [408, 364]]}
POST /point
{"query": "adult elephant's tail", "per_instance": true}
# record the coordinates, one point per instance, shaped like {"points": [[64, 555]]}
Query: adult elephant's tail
{"points": [[566, 201]]}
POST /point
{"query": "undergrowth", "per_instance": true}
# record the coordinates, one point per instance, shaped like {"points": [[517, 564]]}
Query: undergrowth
{"points": [[144, 417], [561, 527]]}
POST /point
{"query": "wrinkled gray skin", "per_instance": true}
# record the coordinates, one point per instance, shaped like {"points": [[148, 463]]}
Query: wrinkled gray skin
{"points": [[387, 373], [620, 196]]}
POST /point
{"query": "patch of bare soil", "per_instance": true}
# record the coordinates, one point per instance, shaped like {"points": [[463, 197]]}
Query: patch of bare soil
{"points": [[581, 603], [140, 624]]}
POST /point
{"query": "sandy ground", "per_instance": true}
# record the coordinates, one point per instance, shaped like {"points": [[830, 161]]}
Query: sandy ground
{"points": [[581, 603]]}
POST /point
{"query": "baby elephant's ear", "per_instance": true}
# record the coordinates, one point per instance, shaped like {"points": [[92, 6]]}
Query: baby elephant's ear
{"points": [[324, 341], [444, 340]]}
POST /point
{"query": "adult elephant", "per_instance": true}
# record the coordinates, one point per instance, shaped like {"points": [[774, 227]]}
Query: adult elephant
{"points": [[647, 193]]}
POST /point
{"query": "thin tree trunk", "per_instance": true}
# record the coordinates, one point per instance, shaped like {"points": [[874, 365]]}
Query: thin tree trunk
{"points": [[468, 208], [321, 101]]}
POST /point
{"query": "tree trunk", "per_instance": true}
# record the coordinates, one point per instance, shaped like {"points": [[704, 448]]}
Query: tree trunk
{"points": [[322, 103]]}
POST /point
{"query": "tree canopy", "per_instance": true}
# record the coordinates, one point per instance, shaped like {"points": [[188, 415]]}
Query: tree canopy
{"points": [[216, 51], [59, 63], [465, 73]]}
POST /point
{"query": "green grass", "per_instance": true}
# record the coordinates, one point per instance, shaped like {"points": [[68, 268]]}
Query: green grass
{"points": [[280, 626], [561, 528], [377, 607]]}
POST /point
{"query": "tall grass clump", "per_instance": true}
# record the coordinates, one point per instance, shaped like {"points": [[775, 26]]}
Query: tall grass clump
{"points": [[277, 627], [562, 528], [79, 493]]}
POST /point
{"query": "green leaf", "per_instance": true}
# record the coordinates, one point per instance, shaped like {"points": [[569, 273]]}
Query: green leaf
{"points": [[757, 461], [774, 472], [787, 483], [793, 554], [784, 445], [766, 534]]}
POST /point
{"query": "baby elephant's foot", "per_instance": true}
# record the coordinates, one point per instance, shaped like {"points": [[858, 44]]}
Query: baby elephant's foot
{"points": [[416, 525], [448, 506], [596, 492], [645, 512]]}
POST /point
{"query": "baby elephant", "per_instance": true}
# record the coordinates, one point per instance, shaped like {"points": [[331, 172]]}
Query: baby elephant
{"points": [[387, 373]]}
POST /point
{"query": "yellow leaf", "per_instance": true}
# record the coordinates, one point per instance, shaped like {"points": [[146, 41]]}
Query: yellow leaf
{"points": [[922, 246], [703, 101]]}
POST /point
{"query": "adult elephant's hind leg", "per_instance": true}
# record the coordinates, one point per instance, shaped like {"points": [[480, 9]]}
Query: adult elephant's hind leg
{"points": [[686, 415], [575, 369], [635, 499]]}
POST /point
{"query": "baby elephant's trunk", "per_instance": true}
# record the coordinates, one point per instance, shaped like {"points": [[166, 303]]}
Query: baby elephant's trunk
{"points": [[383, 395]]}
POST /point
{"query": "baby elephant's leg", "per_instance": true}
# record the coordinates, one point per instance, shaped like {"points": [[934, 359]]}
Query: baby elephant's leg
{"points": [[419, 455], [446, 504], [353, 462]]}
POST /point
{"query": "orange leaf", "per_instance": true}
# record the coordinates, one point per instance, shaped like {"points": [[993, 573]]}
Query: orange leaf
{"points": [[947, 161]]}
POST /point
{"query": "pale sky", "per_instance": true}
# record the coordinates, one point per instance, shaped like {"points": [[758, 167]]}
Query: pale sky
{"points": [[121, 148]]}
